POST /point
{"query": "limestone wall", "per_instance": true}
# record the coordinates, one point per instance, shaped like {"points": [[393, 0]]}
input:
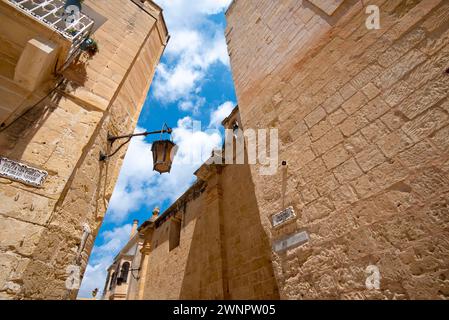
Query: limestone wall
{"points": [[247, 249], [41, 229], [363, 123], [223, 252], [170, 273]]}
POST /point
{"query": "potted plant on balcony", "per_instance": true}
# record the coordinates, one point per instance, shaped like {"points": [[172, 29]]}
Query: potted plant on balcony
{"points": [[72, 31], [90, 46]]}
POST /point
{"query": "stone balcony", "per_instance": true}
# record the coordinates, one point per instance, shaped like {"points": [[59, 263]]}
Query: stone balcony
{"points": [[36, 45], [51, 14]]}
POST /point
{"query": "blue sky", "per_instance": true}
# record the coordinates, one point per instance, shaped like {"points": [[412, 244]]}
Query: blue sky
{"points": [[193, 87]]}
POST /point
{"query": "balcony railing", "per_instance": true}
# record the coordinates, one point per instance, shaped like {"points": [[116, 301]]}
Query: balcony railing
{"points": [[51, 13]]}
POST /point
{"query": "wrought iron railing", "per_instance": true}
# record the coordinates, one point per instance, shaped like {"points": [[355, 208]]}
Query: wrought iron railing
{"points": [[52, 14]]}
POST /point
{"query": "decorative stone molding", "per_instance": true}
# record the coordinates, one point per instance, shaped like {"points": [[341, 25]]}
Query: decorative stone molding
{"points": [[36, 63]]}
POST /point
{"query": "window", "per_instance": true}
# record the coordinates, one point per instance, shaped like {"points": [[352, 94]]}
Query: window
{"points": [[112, 281], [175, 233], [107, 282], [124, 272]]}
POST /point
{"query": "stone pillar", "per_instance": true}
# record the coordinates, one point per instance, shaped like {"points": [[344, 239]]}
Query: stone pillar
{"points": [[107, 284], [214, 196], [134, 228], [146, 249], [156, 212]]}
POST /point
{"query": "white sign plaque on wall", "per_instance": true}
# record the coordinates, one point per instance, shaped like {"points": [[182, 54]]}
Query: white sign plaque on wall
{"points": [[291, 241], [282, 217], [20, 172]]}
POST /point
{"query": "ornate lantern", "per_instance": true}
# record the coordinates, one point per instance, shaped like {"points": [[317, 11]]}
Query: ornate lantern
{"points": [[163, 154]]}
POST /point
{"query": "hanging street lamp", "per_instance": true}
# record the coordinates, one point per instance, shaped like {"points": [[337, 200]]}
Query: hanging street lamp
{"points": [[162, 155], [163, 150]]}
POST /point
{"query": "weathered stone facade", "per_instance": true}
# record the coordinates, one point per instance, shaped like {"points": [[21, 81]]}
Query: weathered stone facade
{"points": [[41, 229], [209, 244], [122, 279], [363, 119]]}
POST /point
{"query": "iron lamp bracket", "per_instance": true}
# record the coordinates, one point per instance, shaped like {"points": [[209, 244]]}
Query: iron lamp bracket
{"points": [[111, 139]]}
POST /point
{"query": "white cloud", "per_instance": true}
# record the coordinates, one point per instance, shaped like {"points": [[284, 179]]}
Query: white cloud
{"points": [[183, 13], [172, 84], [196, 44], [193, 105], [183, 40], [101, 258], [94, 277], [219, 114], [114, 239]]}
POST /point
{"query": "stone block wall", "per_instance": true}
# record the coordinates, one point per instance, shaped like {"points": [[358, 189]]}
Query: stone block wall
{"points": [[41, 229], [247, 249], [168, 269], [363, 119], [223, 252]]}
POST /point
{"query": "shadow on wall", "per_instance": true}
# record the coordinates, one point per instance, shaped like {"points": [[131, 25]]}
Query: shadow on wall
{"points": [[230, 255], [16, 137]]}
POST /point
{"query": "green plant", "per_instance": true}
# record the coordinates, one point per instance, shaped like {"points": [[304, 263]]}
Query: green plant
{"points": [[90, 46], [72, 31]]}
